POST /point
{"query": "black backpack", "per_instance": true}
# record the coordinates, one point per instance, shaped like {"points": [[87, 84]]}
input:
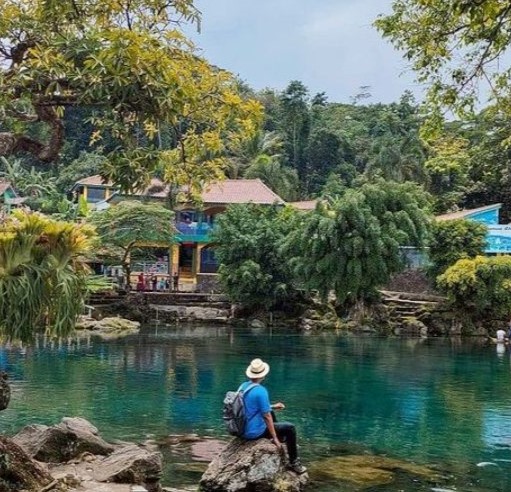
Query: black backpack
{"points": [[234, 410]]}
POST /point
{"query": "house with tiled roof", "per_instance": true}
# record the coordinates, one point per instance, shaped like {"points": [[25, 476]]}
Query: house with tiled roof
{"points": [[193, 255]]}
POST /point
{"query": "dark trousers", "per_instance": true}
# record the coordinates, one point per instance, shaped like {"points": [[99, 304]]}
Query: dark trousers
{"points": [[286, 433]]}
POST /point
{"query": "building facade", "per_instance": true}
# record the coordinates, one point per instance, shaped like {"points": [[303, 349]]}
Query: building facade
{"points": [[194, 253]]}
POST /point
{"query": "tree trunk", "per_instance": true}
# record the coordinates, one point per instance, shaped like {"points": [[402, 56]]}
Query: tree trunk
{"points": [[126, 264], [12, 143]]}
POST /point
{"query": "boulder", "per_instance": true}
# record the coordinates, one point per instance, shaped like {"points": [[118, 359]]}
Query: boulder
{"points": [[257, 324], [254, 466], [62, 442], [131, 464], [18, 471], [110, 327]]}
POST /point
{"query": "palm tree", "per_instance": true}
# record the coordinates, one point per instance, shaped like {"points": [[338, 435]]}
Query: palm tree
{"points": [[281, 179], [263, 143]]}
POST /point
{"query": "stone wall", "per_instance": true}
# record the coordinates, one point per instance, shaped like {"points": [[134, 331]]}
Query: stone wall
{"points": [[208, 283]]}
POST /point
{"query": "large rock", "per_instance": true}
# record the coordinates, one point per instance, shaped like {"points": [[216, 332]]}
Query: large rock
{"points": [[62, 442], [131, 464], [18, 471], [251, 466]]}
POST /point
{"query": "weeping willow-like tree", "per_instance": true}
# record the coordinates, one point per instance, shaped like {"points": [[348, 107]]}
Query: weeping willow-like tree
{"points": [[43, 274], [350, 244]]}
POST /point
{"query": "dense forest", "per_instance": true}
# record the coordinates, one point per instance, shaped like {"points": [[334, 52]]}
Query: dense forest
{"points": [[307, 146], [95, 88]]}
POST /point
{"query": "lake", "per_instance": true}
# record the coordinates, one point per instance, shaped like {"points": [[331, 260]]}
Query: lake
{"points": [[444, 403]]}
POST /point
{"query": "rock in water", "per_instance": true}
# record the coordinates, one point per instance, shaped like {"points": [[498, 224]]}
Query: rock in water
{"points": [[254, 466], [18, 471], [62, 442]]}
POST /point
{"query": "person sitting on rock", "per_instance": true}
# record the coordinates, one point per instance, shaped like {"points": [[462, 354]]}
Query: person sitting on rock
{"points": [[260, 420]]}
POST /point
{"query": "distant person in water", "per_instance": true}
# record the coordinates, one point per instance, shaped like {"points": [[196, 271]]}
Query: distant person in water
{"points": [[260, 419], [501, 336]]}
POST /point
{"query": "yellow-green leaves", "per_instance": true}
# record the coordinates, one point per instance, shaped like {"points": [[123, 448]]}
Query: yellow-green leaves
{"points": [[42, 274], [480, 286], [454, 46], [131, 65]]}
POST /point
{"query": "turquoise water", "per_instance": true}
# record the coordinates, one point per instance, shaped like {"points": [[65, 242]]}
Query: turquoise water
{"points": [[442, 403]]}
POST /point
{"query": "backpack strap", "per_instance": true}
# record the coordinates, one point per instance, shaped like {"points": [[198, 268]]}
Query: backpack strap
{"points": [[245, 392], [247, 389]]}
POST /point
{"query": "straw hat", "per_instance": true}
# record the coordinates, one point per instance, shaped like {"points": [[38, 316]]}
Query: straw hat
{"points": [[257, 369]]}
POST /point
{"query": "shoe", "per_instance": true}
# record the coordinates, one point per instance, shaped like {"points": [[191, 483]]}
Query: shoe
{"points": [[297, 467]]}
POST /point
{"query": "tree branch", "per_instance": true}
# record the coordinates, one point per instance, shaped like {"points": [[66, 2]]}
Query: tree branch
{"points": [[12, 143]]}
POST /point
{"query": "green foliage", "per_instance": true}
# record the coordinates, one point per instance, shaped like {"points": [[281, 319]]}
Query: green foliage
{"points": [[452, 46], [350, 243], [132, 67], [39, 189], [448, 170], [281, 179], [253, 270], [294, 124], [132, 222], [129, 224], [42, 274], [480, 286], [453, 240], [86, 164]]}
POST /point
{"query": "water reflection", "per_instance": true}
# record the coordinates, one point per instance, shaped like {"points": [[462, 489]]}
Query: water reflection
{"points": [[439, 401]]}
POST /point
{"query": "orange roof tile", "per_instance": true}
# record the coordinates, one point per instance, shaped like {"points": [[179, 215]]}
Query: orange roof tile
{"points": [[240, 191], [221, 192]]}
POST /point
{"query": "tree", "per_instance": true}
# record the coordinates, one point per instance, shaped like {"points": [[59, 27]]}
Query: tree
{"points": [[253, 270], [130, 64], [453, 240], [295, 124], [480, 286], [39, 188], [262, 143], [323, 156], [453, 46], [43, 275], [86, 164], [447, 166], [350, 244], [283, 180], [132, 223]]}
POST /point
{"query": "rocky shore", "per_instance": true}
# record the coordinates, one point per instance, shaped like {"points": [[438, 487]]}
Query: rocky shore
{"points": [[71, 456]]}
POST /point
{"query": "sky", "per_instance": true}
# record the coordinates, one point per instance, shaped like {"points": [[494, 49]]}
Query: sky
{"points": [[330, 45]]}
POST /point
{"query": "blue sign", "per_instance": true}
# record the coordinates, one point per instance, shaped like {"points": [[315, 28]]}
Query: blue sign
{"points": [[498, 239]]}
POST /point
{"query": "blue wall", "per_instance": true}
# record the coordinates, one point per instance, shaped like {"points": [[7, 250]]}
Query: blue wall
{"points": [[488, 217]]}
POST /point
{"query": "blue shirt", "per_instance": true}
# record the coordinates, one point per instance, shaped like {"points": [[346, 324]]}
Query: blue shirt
{"points": [[257, 403]]}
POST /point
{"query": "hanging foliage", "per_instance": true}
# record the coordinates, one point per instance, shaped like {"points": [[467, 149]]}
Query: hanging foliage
{"points": [[43, 274], [351, 244]]}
